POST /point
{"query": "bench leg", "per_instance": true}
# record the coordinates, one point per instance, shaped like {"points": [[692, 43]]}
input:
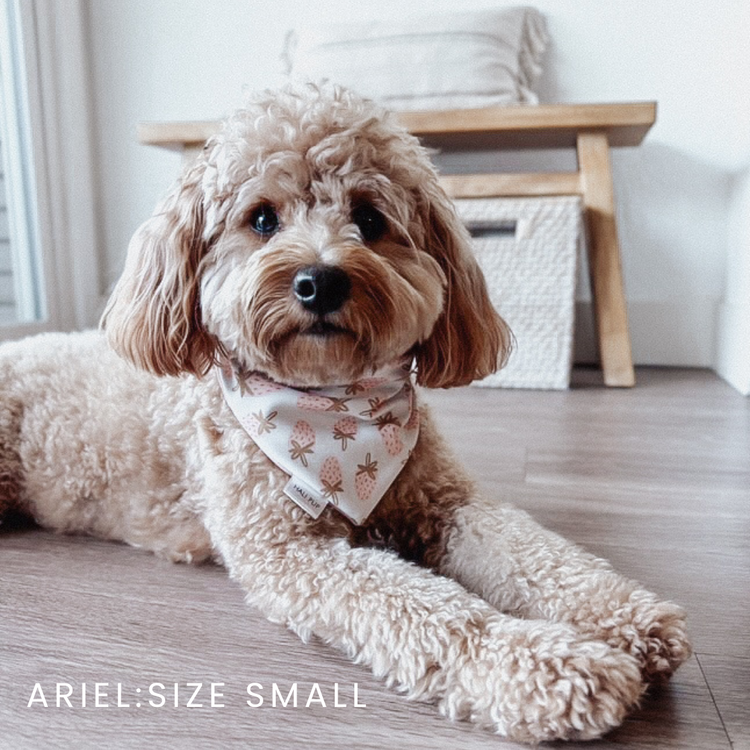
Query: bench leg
{"points": [[610, 311]]}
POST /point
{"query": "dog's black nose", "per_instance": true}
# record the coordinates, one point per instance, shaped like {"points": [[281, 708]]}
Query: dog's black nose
{"points": [[321, 289]]}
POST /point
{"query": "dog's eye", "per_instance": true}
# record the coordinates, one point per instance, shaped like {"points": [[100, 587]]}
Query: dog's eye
{"points": [[370, 222], [264, 220]]}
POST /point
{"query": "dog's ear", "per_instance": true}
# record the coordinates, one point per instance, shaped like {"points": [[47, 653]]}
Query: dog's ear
{"points": [[153, 315], [470, 340]]}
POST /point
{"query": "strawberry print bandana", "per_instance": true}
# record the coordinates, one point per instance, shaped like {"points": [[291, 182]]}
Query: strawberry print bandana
{"points": [[342, 445]]}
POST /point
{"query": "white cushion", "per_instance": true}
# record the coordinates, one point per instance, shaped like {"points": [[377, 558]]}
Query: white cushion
{"points": [[474, 59]]}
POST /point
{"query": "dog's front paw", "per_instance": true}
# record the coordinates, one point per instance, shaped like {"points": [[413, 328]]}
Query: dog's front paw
{"points": [[657, 636], [652, 631], [547, 683]]}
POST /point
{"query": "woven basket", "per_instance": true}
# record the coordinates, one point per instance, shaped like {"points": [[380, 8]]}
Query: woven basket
{"points": [[528, 249]]}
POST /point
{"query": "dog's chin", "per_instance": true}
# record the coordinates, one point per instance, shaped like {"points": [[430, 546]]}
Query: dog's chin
{"points": [[321, 355]]}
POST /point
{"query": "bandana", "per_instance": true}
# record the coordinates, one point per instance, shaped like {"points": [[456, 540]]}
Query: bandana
{"points": [[343, 445]]}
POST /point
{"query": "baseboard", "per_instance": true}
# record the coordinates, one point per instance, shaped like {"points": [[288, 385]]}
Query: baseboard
{"points": [[672, 333]]}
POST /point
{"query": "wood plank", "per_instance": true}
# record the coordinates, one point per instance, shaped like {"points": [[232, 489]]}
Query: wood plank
{"points": [[177, 135], [679, 715], [610, 311], [626, 124], [540, 126], [509, 185], [728, 677]]}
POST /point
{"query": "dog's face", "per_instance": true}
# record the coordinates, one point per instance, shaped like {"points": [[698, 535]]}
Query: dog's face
{"points": [[315, 274], [310, 241]]}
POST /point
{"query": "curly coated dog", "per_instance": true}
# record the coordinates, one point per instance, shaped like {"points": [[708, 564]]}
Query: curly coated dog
{"points": [[253, 400]]}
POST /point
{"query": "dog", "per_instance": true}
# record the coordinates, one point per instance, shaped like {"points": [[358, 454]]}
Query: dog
{"points": [[308, 266]]}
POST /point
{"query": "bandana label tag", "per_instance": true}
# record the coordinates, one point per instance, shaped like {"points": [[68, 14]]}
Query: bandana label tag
{"points": [[307, 499]]}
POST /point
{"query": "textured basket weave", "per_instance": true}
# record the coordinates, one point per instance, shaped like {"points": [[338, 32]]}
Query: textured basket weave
{"points": [[528, 250]]}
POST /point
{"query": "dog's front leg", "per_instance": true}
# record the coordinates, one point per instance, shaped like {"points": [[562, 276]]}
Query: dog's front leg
{"points": [[422, 632], [515, 564], [427, 635]]}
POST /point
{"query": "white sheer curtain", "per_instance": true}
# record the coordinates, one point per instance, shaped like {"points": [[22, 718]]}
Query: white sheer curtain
{"points": [[49, 277], [21, 296]]}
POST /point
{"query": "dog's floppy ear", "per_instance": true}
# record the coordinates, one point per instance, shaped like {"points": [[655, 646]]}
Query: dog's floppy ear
{"points": [[470, 340], [153, 315]]}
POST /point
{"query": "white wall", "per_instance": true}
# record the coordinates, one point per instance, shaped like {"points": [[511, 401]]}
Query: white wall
{"points": [[192, 59]]}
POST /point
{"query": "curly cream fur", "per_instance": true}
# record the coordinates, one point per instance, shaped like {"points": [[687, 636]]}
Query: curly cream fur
{"points": [[499, 622]]}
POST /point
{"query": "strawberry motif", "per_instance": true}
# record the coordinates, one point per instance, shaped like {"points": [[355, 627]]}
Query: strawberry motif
{"points": [[258, 424], [364, 385], [331, 478], [257, 385], [314, 402], [366, 478], [390, 430], [375, 404], [301, 442], [345, 430], [339, 404]]}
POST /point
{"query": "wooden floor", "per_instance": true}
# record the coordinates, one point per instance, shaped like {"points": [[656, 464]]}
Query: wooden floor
{"points": [[657, 479]]}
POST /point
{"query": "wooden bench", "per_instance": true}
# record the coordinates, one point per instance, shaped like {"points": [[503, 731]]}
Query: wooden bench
{"points": [[591, 129]]}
